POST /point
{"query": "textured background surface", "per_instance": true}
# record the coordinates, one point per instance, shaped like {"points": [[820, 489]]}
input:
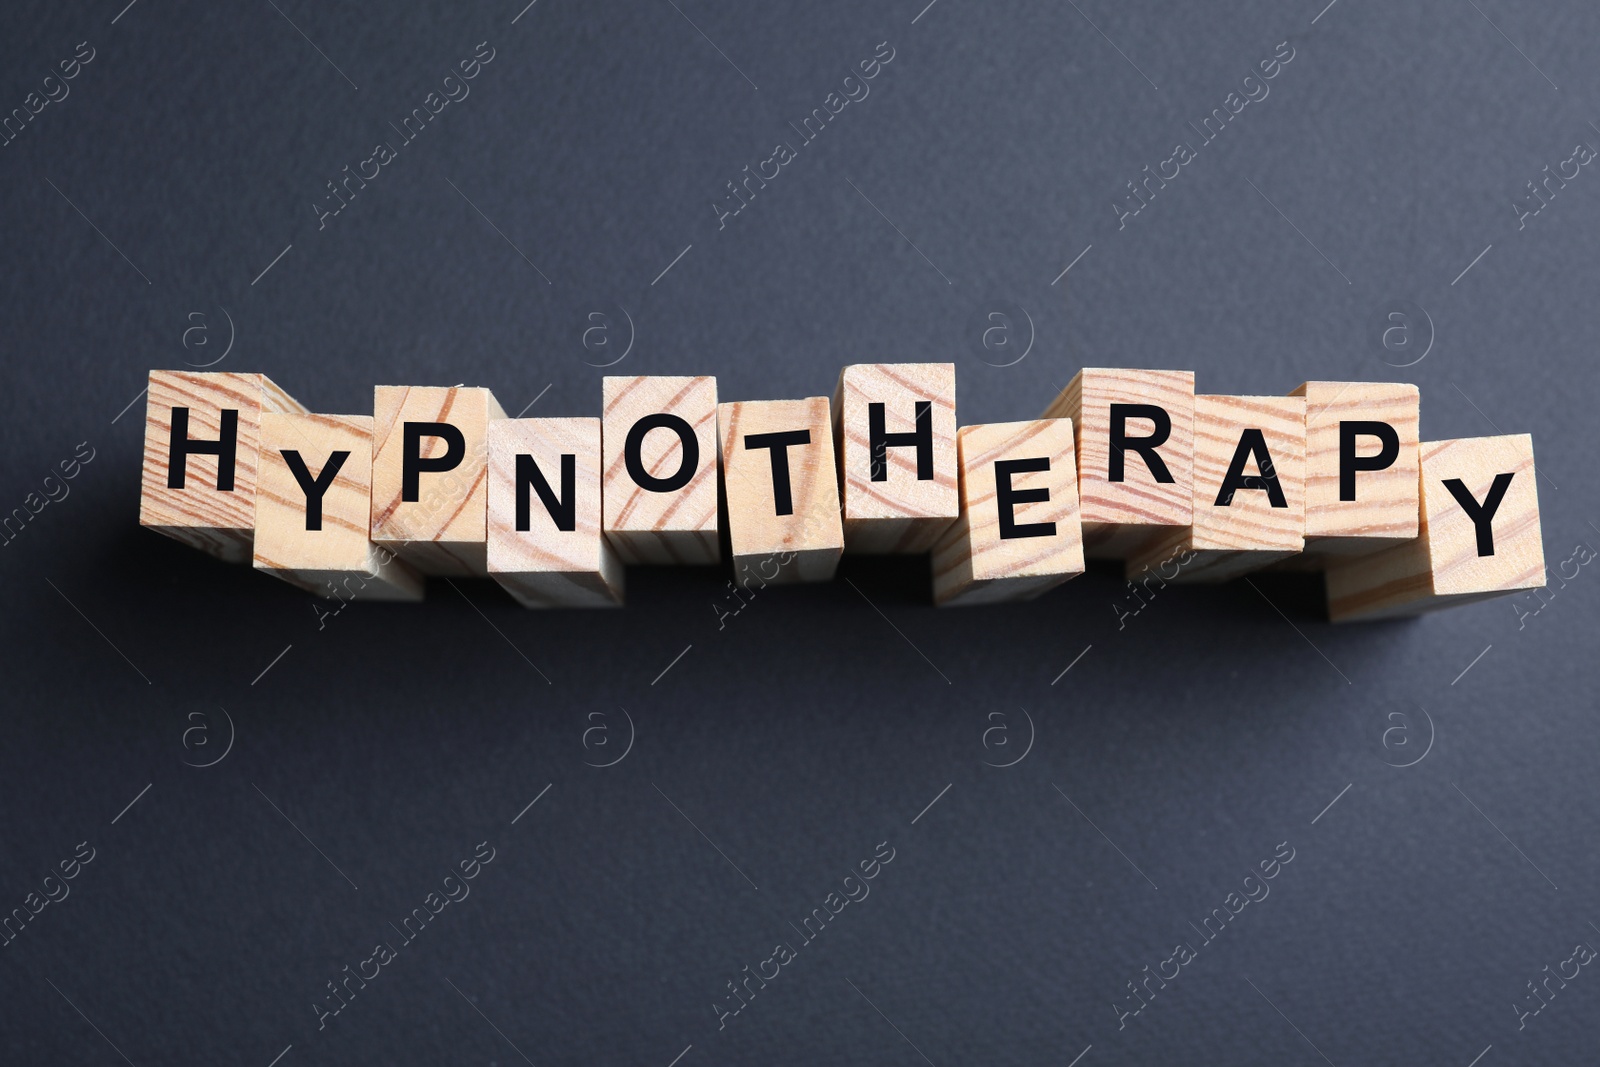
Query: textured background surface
{"points": [[384, 743]]}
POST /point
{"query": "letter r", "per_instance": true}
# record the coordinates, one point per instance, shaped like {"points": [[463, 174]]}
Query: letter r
{"points": [[1145, 446]]}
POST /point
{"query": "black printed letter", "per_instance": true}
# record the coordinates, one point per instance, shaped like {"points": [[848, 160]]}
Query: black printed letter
{"points": [[1006, 498], [632, 453], [314, 488], [779, 444], [1350, 463], [412, 464], [879, 441], [1482, 515], [225, 449], [563, 509], [1145, 446], [1251, 443]]}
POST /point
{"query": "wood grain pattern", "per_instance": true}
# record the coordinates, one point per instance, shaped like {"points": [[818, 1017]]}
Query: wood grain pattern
{"points": [[973, 563], [903, 512], [443, 531], [805, 545], [1120, 518], [546, 566], [1387, 508], [644, 526], [1442, 566], [1247, 533], [338, 560], [215, 521]]}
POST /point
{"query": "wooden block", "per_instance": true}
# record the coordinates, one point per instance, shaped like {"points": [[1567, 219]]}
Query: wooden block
{"points": [[1479, 538], [1018, 534], [201, 441], [895, 438], [779, 475], [545, 543], [660, 488], [429, 474], [1361, 469], [313, 502], [1249, 491], [1135, 455]]}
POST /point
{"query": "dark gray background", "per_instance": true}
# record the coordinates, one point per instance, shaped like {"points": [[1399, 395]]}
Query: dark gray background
{"points": [[820, 721]]}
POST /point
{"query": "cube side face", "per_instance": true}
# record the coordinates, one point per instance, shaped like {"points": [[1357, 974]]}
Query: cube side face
{"points": [[876, 512], [544, 548], [1060, 553], [1068, 404], [443, 530], [1387, 507], [1517, 559], [343, 543], [1395, 582], [812, 531], [998, 591], [651, 525], [1171, 556], [275, 400], [563, 589], [220, 522], [1250, 521], [1139, 499], [952, 562]]}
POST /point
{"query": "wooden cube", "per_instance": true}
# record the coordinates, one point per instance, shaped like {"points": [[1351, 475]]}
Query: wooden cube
{"points": [[545, 543], [201, 445], [1249, 491], [660, 486], [313, 501], [1135, 446], [1479, 539], [779, 476], [895, 438], [1361, 469], [429, 474], [1018, 533]]}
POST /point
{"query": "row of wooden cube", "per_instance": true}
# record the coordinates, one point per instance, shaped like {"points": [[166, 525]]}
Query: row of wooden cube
{"points": [[1124, 464]]}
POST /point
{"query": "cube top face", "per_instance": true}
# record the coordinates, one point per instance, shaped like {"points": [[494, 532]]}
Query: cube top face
{"points": [[755, 526], [448, 505], [1140, 496], [1225, 427], [282, 541], [216, 520], [1476, 464], [658, 414], [906, 479], [1386, 503], [993, 556], [544, 547]]}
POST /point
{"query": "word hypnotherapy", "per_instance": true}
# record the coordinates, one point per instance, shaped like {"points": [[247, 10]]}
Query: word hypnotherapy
{"points": [[1125, 464]]}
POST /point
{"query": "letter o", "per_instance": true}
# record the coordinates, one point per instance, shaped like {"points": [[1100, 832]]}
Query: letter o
{"points": [[633, 449]]}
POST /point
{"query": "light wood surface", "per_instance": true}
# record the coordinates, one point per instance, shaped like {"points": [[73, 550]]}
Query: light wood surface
{"points": [[561, 559], [652, 525], [443, 530], [217, 521], [1233, 535], [337, 559], [977, 561], [889, 506], [1387, 505], [1122, 517], [1446, 564], [804, 544]]}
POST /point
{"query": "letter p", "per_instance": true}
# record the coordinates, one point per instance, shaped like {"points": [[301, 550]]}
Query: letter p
{"points": [[413, 463]]}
